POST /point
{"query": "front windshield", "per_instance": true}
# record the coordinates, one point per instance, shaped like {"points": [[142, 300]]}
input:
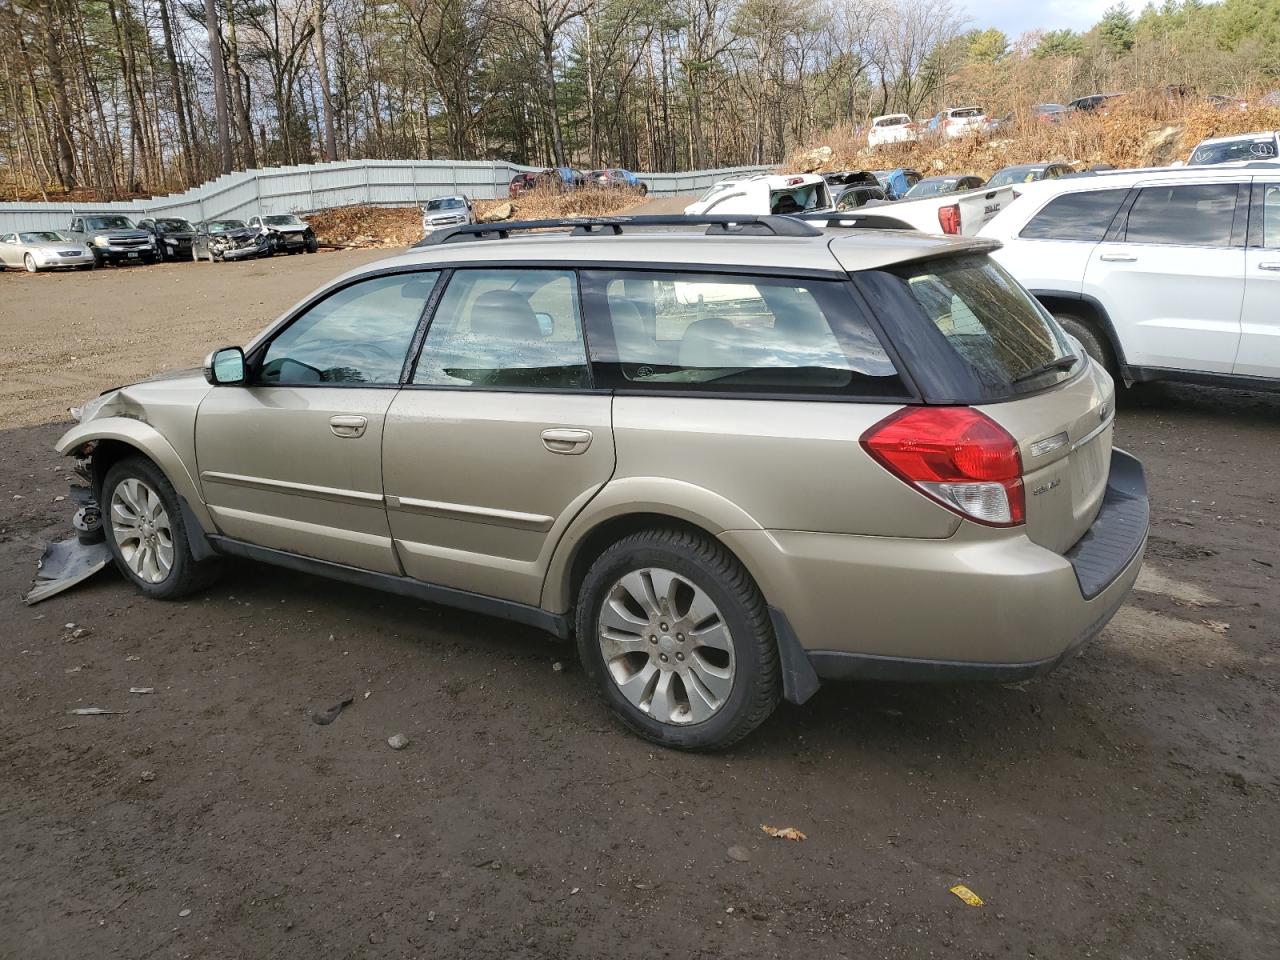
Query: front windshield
{"points": [[108, 223], [281, 220], [41, 236], [446, 203], [932, 187], [223, 226], [174, 225], [1233, 150], [1014, 175]]}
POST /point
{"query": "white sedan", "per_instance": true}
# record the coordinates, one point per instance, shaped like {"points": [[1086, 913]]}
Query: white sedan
{"points": [[42, 250]]}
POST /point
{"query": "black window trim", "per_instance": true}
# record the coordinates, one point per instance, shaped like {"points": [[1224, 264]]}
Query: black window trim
{"points": [[912, 394], [418, 344], [1239, 216]]}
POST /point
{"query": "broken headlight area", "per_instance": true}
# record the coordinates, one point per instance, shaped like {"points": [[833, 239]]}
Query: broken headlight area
{"points": [[75, 559]]}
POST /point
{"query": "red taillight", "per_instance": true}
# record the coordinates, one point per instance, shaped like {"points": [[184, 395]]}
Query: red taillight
{"points": [[957, 456], [949, 218]]}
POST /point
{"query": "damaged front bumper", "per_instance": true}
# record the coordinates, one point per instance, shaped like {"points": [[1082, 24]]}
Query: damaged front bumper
{"points": [[74, 560]]}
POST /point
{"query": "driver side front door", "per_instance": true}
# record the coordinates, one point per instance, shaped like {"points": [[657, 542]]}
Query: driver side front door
{"points": [[292, 460]]}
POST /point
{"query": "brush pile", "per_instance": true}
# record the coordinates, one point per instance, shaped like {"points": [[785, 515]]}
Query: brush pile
{"points": [[363, 226]]}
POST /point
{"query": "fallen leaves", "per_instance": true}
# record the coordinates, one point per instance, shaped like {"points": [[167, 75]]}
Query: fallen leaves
{"points": [[967, 895], [783, 833]]}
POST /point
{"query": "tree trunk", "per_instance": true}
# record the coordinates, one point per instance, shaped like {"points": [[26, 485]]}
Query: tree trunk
{"points": [[175, 83], [553, 108], [219, 84], [239, 102], [65, 157], [322, 63]]}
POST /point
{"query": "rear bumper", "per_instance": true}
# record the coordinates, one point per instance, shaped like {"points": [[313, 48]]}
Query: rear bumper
{"points": [[973, 606]]}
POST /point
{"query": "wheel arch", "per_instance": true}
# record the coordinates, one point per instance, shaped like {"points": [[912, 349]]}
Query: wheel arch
{"points": [[107, 441], [1090, 311], [627, 506]]}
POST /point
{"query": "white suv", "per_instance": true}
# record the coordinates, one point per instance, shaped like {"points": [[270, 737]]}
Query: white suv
{"points": [[1169, 274]]}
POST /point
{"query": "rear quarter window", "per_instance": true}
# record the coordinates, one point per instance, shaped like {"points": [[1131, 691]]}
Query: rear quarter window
{"points": [[693, 332], [1186, 215], [1084, 216], [970, 333]]}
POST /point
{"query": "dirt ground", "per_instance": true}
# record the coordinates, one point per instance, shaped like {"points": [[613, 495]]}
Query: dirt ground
{"points": [[1123, 807]]}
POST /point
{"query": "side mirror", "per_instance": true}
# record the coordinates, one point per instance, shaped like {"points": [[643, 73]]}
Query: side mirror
{"points": [[1178, 163], [225, 366], [546, 323]]}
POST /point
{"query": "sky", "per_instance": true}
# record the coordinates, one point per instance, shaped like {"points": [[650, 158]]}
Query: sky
{"points": [[1016, 17]]}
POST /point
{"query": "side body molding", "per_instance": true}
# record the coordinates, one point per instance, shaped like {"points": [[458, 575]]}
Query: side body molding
{"points": [[149, 442]]}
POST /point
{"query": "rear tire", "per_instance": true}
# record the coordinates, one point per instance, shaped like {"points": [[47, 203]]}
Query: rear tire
{"points": [[711, 676], [147, 533], [1094, 343]]}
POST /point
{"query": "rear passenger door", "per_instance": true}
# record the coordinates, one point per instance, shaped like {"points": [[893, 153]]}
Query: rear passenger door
{"points": [[499, 438], [1259, 354], [1171, 275], [1052, 251]]}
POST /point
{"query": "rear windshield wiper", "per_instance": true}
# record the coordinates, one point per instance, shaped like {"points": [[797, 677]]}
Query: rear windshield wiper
{"points": [[1058, 363]]}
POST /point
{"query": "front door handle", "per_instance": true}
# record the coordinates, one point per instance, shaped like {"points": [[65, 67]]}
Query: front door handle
{"points": [[567, 441], [1118, 258], [348, 427], [1271, 265]]}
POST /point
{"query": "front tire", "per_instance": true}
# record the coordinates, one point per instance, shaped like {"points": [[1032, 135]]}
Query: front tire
{"points": [[677, 638], [147, 533], [30, 263], [312, 245]]}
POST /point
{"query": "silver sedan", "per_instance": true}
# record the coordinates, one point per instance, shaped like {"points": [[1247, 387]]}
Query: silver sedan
{"points": [[42, 250]]}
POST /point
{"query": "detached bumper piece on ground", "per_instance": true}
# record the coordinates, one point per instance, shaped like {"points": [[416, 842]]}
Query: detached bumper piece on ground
{"points": [[76, 559]]}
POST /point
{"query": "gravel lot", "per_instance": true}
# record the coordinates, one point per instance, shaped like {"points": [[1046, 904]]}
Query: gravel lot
{"points": [[1123, 807]]}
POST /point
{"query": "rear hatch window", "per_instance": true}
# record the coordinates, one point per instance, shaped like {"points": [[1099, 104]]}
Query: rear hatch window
{"points": [[977, 336]]}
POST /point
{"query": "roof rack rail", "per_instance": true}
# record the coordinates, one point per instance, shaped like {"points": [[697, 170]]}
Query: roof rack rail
{"points": [[719, 224], [849, 220]]}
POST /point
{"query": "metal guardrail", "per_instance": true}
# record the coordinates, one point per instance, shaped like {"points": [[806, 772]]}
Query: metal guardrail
{"points": [[302, 189]]}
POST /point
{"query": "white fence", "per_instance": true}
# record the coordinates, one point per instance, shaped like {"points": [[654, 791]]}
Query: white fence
{"points": [[302, 189]]}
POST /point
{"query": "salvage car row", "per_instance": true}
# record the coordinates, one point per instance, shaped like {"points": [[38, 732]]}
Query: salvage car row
{"points": [[95, 240]]}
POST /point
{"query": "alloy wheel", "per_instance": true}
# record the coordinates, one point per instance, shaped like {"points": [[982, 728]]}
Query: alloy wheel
{"points": [[142, 530], [666, 646], [30, 263]]}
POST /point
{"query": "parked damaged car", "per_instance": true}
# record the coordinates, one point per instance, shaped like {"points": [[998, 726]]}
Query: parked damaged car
{"points": [[229, 240], [172, 236], [285, 233]]}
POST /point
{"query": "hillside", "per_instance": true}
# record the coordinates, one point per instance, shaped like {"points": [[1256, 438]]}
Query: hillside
{"points": [[1129, 135]]}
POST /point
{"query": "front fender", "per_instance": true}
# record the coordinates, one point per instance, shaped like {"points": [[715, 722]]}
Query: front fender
{"points": [[150, 443]]}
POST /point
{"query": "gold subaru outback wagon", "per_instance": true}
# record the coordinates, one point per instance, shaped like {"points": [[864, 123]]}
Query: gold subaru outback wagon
{"points": [[733, 457]]}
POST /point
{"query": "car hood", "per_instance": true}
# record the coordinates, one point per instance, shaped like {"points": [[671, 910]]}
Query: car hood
{"points": [[244, 233], [287, 228], [54, 245]]}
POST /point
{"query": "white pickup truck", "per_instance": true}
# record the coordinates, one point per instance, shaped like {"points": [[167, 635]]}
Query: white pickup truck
{"points": [[955, 213]]}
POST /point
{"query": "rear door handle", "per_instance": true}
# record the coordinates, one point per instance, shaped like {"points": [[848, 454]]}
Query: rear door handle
{"points": [[348, 427], [567, 441], [1118, 258], [1270, 265]]}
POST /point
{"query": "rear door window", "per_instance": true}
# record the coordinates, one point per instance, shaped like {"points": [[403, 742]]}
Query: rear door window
{"points": [[735, 333], [508, 329], [1083, 216], [971, 329], [1198, 215]]}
